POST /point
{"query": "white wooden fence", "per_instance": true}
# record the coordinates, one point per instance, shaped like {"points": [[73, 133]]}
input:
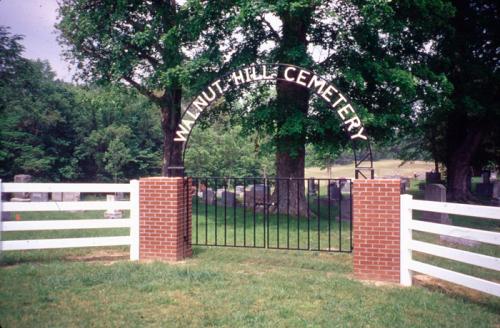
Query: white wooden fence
{"points": [[133, 222], [408, 244]]}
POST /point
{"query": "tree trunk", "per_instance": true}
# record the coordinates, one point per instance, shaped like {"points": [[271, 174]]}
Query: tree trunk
{"points": [[459, 164], [289, 194], [465, 132], [170, 118], [292, 104]]}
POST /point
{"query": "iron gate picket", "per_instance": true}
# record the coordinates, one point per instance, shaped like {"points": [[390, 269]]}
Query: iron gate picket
{"points": [[258, 212]]}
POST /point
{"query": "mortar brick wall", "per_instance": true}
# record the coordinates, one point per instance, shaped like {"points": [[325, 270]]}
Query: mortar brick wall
{"points": [[165, 218], [376, 234]]}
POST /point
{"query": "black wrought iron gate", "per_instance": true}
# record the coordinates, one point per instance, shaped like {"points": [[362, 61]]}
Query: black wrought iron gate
{"points": [[277, 213]]}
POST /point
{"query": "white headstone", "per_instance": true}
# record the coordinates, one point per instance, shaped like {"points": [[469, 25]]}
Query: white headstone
{"points": [[56, 196], [71, 197], [112, 213], [39, 196], [22, 178]]}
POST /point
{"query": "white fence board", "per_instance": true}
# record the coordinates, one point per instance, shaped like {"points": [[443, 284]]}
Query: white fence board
{"points": [[64, 224], [64, 206], [11, 245], [66, 187], [489, 237], [408, 224], [457, 278], [481, 260], [490, 212], [133, 223]]}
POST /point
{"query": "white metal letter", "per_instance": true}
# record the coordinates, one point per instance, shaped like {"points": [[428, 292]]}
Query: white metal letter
{"points": [[291, 79], [302, 76], [213, 95], [200, 103], [316, 82], [354, 122], [345, 110], [328, 92], [238, 77]]}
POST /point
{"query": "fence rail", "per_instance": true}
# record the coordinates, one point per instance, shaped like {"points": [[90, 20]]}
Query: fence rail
{"points": [[133, 222], [408, 244]]}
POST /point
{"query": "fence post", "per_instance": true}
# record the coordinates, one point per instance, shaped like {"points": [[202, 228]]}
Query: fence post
{"points": [[134, 220], [376, 231], [405, 239]]}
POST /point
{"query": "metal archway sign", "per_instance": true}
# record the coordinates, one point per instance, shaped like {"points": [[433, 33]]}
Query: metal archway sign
{"points": [[351, 122]]}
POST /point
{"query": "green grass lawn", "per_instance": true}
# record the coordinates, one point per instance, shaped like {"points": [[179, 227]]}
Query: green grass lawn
{"points": [[226, 287], [235, 226]]}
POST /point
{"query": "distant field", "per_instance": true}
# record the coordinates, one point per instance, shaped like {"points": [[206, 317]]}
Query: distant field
{"points": [[382, 168]]}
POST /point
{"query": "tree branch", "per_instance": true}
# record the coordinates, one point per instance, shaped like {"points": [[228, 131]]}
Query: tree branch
{"points": [[327, 60], [144, 91], [274, 33]]}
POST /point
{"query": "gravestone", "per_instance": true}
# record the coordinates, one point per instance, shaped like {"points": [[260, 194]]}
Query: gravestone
{"points": [[112, 213], [432, 177], [334, 191], [260, 195], [345, 186], [484, 189], [71, 197], [56, 196], [6, 216], [227, 199], [494, 176], [312, 186], [39, 196], [345, 209], [219, 192], [495, 195], [436, 193], [208, 196], [119, 196], [405, 184], [21, 178], [486, 176], [240, 191]]}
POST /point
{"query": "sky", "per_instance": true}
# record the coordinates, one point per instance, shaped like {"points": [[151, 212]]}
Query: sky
{"points": [[35, 20]]}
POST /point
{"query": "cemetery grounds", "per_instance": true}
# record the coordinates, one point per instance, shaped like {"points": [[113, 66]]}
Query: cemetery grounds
{"points": [[227, 287]]}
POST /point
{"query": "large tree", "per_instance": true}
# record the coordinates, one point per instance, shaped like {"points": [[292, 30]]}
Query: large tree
{"points": [[143, 44], [455, 121], [34, 116], [468, 56], [371, 49], [117, 134]]}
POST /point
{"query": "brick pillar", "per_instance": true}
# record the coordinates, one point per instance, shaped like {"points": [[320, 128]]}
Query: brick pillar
{"points": [[376, 229], [165, 218]]}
